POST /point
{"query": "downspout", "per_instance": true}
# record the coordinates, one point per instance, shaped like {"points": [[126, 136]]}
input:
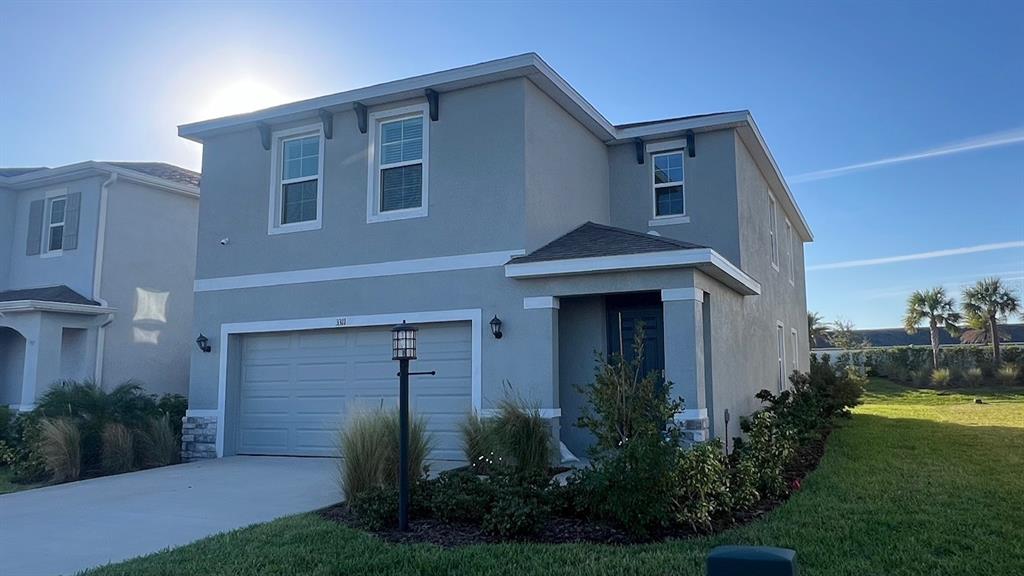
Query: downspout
{"points": [[97, 276]]}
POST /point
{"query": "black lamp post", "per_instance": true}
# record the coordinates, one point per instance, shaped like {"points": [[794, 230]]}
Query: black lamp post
{"points": [[403, 349]]}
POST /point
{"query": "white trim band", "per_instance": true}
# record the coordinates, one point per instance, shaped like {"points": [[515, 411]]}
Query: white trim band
{"points": [[375, 270], [706, 259], [547, 413], [47, 306], [676, 294], [539, 302]]}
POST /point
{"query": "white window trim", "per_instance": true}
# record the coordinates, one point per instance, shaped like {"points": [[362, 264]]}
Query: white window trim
{"points": [[795, 341], [773, 230], [274, 225], [790, 253], [780, 346], [373, 213], [666, 219], [51, 196]]}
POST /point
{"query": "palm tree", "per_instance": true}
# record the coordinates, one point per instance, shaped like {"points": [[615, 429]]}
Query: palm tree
{"points": [[938, 309], [989, 300], [817, 329]]}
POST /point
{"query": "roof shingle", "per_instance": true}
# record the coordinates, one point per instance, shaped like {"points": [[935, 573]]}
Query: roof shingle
{"points": [[593, 240], [59, 293], [161, 170]]}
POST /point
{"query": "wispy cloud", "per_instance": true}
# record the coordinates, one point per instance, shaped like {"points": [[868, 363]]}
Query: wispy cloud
{"points": [[979, 142], [919, 256]]}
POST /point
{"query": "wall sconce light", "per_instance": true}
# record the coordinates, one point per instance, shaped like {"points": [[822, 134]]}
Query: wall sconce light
{"points": [[496, 327], [203, 342]]}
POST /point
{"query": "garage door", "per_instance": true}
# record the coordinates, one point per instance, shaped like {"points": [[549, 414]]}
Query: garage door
{"points": [[298, 388]]}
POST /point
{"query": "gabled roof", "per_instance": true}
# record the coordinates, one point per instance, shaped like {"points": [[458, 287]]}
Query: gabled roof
{"points": [[592, 240], [534, 68], [61, 294], [158, 174], [162, 170]]}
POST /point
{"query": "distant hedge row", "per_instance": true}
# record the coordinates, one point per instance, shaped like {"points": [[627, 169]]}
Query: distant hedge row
{"points": [[905, 363]]}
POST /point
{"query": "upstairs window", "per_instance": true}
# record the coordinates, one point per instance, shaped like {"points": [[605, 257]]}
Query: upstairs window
{"points": [[669, 196], [398, 173], [773, 231], [56, 219], [790, 250], [297, 197]]}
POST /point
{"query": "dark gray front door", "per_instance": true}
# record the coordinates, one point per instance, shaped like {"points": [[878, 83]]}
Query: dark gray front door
{"points": [[625, 314]]}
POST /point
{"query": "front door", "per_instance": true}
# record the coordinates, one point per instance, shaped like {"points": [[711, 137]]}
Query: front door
{"points": [[625, 314]]}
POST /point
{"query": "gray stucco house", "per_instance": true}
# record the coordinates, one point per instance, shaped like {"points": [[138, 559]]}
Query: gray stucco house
{"points": [[97, 262], [454, 198]]}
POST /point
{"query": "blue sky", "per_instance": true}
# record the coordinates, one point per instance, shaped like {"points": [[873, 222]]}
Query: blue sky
{"points": [[932, 90]]}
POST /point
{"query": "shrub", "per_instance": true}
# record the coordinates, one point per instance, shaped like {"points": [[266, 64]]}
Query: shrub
{"points": [[461, 496], [524, 436], [1008, 374], [7, 435], [743, 481], [974, 377], [376, 508], [60, 447], [22, 453], [479, 442], [769, 448], [634, 486], [941, 377], [370, 450], [157, 443], [174, 406], [703, 485], [118, 449], [92, 408], [519, 507]]}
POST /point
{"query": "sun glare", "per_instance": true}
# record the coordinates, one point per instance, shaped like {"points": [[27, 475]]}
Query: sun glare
{"points": [[241, 96]]}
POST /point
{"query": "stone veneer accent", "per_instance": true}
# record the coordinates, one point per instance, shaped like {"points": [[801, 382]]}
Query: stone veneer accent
{"points": [[198, 438], [694, 429]]}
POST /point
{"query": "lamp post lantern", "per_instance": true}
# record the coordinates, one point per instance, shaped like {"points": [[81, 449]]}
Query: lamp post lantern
{"points": [[403, 349]]}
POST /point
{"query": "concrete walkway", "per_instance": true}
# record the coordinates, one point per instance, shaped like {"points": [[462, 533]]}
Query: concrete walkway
{"points": [[71, 527]]}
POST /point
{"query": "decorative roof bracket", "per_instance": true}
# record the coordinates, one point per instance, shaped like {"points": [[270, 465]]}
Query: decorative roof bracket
{"points": [[264, 129], [639, 143], [327, 119], [360, 116], [432, 100]]}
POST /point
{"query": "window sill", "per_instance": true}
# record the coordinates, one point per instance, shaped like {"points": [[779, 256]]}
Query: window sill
{"points": [[396, 215], [297, 227], [668, 220], [52, 254]]}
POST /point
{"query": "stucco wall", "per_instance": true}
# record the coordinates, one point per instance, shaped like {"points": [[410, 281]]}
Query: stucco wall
{"points": [[7, 213], [710, 189], [74, 267], [566, 171], [476, 182], [148, 273]]}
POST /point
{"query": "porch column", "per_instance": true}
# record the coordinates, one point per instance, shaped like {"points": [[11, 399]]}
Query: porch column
{"points": [[42, 357], [684, 358], [542, 312]]}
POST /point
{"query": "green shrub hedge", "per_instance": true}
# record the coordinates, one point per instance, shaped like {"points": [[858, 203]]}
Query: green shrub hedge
{"points": [[913, 364]]}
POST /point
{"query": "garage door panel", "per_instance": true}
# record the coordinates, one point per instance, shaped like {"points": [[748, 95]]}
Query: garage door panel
{"points": [[299, 388]]}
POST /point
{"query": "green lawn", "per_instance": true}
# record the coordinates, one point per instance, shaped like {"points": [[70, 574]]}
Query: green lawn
{"points": [[916, 483]]}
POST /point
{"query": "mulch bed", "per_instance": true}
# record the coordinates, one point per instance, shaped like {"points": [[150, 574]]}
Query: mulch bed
{"points": [[561, 530]]}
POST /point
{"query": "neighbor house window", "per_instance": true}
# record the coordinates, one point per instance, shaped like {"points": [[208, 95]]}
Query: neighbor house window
{"points": [[773, 230], [56, 218], [297, 198], [669, 196], [790, 249], [398, 186], [793, 349], [780, 340]]}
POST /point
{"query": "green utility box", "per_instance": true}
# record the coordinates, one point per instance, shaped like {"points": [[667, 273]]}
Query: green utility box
{"points": [[752, 561]]}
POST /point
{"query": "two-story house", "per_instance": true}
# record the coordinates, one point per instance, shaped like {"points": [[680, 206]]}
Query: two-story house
{"points": [[496, 209], [97, 262]]}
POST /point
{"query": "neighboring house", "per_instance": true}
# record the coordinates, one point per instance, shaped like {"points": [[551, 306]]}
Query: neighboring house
{"points": [[97, 262], [489, 192], [892, 337]]}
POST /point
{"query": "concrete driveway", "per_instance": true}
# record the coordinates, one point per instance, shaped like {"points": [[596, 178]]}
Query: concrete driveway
{"points": [[71, 527]]}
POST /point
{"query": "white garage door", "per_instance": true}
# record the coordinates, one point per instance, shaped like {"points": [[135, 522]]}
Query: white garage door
{"points": [[297, 388]]}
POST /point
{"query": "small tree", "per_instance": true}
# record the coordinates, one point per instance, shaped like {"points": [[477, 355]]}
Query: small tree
{"points": [[987, 302], [624, 403], [817, 329], [845, 337], [940, 312]]}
